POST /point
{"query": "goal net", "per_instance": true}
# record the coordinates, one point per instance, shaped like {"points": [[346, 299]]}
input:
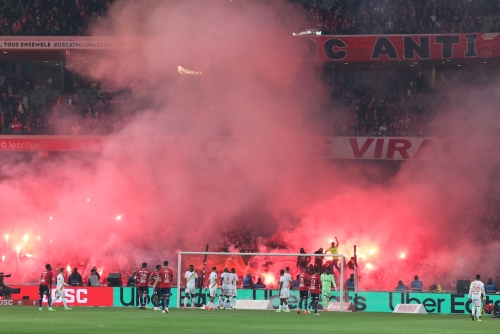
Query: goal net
{"points": [[259, 274]]}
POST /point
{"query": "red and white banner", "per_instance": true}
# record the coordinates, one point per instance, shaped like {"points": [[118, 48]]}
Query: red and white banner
{"points": [[52, 143], [398, 47], [75, 296], [368, 148]]}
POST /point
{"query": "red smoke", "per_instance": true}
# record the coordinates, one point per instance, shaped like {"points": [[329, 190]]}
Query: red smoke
{"points": [[253, 99]]}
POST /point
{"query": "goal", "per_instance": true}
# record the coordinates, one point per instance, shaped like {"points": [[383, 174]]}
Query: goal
{"points": [[265, 266]]}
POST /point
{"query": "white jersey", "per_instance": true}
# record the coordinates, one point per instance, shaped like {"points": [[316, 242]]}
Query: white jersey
{"points": [[476, 290], [226, 280], [212, 280], [60, 282], [190, 277], [234, 280], [285, 279], [289, 277]]}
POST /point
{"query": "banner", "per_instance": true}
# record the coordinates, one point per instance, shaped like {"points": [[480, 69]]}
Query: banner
{"points": [[357, 148], [398, 47], [51, 143], [438, 303], [13, 43], [406, 148], [75, 296]]}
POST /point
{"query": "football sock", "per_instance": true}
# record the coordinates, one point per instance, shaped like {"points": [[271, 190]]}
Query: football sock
{"points": [[40, 301], [64, 302], [325, 302]]}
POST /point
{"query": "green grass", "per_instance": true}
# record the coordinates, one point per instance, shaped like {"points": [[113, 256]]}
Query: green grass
{"points": [[127, 320]]}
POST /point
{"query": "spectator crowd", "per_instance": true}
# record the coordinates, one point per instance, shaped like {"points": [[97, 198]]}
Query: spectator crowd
{"points": [[60, 114], [397, 16], [50, 17]]}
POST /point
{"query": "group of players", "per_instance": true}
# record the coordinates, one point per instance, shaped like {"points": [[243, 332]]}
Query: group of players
{"points": [[309, 285], [45, 285], [162, 283], [228, 284]]}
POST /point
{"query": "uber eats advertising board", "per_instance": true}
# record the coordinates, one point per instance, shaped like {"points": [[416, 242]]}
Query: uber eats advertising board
{"points": [[439, 303]]}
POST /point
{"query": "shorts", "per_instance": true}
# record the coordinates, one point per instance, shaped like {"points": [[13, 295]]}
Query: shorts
{"points": [[326, 293], [157, 291], [285, 293], [304, 294], [43, 290], [165, 292], [226, 289], [143, 290], [314, 296], [213, 292], [190, 290], [233, 292], [60, 293], [476, 302]]}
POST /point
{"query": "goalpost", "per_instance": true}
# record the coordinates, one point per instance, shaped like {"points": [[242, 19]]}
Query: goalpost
{"points": [[264, 265]]}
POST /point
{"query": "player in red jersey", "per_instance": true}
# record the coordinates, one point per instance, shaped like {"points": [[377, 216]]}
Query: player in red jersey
{"points": [[314, 289], [156, 290], [303, 289], [492, 309], [164, 280], [44, 287], [141, 282]]}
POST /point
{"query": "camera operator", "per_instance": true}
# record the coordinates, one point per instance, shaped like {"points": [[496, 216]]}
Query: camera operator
{"points": [[1, 279], [5, 290]]}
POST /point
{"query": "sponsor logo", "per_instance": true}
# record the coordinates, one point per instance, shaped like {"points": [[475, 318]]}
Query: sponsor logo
{"points": [[19, 145], [73, 296], [6, 302]]}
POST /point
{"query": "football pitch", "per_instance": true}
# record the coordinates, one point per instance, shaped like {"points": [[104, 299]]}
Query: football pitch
{"points": [[128, 320]]}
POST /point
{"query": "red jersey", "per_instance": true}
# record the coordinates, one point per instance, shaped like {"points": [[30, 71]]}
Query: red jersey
{"points": [[166, 276], [153, 276], [489, 308], [314, 281], [46, 278], [304, 282], [142, 278]]}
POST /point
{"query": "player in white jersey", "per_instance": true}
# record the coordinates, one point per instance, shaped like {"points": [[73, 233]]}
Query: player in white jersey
{"points": [[190, 279], [226, 288], [284, 290], [476, 294], [212, 287], [234, 283], [60, 292]]}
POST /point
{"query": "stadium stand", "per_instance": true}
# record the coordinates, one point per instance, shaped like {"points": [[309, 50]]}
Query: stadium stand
{"points": [[377, 17], [50, 17]]}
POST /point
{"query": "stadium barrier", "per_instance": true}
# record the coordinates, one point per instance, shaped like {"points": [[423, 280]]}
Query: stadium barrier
{"points": [[325, 147], [366, 301], [75, 296], [437, 303]]}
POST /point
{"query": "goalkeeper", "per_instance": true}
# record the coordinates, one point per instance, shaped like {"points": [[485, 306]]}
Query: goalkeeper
{"points": [[327, 280]]}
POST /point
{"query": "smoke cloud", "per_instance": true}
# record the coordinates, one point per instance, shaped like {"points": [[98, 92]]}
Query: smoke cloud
{"points": [[202, 153]]}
